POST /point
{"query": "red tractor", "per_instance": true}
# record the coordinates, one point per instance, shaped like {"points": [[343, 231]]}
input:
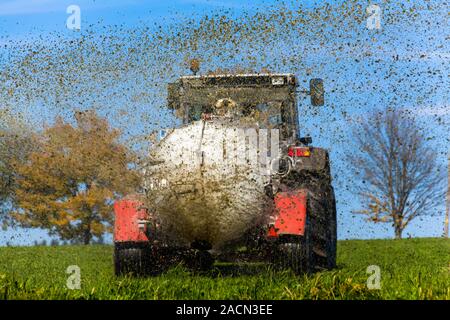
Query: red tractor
{"points": [[287, 218]]}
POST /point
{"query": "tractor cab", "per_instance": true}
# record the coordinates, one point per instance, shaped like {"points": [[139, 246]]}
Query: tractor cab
{"points": [[268, 99]]}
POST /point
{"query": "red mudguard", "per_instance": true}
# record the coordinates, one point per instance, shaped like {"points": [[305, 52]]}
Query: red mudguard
{"points": [[290, 214], [130, 220]]}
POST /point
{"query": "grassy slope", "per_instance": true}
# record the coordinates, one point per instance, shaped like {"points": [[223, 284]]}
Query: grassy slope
{"points": [[410, 269]]}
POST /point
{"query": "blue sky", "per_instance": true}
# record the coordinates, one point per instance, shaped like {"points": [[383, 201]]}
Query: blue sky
{"points": [[26, 20], [29, 15]]}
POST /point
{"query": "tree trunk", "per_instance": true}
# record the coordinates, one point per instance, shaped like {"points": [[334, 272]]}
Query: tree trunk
{"points": [[398, 231], [87, 235]]}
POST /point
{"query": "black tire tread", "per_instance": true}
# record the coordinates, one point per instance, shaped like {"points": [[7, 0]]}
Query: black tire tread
{"points": [[133, 260], [321, 214]]}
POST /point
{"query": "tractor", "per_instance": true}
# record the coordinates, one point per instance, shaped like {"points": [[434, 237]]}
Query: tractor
{"points": [[199, 204]]}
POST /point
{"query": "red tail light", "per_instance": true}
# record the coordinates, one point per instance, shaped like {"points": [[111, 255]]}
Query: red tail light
{"points": [[299, 152]]}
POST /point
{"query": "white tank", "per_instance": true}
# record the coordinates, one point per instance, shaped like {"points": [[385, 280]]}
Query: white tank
{"points": [[205, 182]]}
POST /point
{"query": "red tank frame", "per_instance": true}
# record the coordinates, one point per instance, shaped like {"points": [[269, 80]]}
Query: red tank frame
{"points": [[289, 213], [129, 223]]}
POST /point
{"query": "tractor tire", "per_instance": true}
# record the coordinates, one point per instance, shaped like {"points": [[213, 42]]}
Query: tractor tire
{"points": [[319, 241], [295, 254], [133, 259], [332, 249], [322, 223]]}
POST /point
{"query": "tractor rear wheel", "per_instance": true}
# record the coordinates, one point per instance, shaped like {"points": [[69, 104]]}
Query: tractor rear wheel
{"points": [[321, 211], [332, 245], [132, 259], [316, 250], [295, 253]]}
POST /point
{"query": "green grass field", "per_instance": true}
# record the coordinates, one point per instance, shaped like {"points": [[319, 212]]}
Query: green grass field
{"points": [[410, 269]]}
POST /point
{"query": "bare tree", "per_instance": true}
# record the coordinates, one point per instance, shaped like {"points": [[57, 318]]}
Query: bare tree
{"points": [[401, 177]]}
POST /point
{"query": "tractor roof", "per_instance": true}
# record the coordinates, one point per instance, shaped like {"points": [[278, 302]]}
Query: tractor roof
{"points": [[239, 75], [244, 79], [247, 88]]}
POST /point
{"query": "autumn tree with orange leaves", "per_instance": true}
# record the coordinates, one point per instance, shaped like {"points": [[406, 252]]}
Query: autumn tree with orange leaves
{"points": [[68, 184]]}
